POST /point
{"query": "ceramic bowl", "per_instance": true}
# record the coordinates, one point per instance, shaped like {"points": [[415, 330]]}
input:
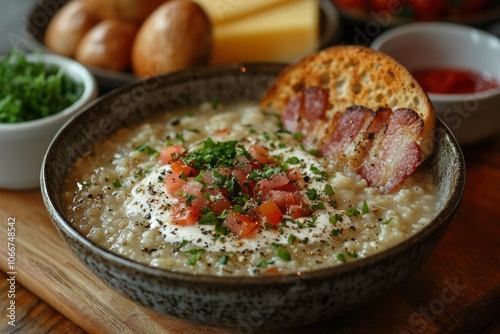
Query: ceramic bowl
{"points": [[471, 117], [245, 303], [23, 145]]}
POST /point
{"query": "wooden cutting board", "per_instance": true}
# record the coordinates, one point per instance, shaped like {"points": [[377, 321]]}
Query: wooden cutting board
{"points": [[457, 289]]}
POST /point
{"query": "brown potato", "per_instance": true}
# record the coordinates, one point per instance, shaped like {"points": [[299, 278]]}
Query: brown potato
{"points": [[67, 28], [108, 45], [176, 35], [129, 10]]}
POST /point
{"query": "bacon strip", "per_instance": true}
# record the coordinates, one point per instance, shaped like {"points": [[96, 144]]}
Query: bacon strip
{"points": [[396, 154], [382, 146], [305, 112], [345, 127]]}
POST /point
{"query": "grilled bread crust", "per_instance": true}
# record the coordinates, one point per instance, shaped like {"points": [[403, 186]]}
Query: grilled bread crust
{"points": [[355, 75]]}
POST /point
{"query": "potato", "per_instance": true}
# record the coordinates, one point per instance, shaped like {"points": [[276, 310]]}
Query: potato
{"points": [[129, 10], [176, 35], [67, 28], [108, 45]]}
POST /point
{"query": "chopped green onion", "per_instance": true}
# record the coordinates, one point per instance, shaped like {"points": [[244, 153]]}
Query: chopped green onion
{"points": [[341, 257], [387, 221], [365, 209], [329, 190], [352, 212]]}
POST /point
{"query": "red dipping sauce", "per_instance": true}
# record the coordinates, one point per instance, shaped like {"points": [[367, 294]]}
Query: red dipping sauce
{"points": [[452, 81]]}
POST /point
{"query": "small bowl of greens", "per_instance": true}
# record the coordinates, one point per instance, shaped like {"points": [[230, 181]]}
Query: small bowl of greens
{"points": [[40, 92]]}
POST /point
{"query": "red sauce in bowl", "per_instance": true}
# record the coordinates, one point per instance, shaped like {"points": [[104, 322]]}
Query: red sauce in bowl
{"points": [[452, 81]]}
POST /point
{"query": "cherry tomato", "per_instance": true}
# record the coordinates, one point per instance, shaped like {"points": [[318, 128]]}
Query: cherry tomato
{"points": [[428, 9], [351, 4], [472, 6]]}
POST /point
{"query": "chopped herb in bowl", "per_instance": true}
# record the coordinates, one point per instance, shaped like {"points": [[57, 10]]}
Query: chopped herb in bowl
{"points": [[33, 90]]}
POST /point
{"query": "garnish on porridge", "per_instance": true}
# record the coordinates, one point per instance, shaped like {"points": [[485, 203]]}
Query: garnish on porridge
{"points": [[241, 195]]}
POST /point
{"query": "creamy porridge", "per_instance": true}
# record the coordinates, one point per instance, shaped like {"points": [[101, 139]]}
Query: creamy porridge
{"points": [[225, 191]]}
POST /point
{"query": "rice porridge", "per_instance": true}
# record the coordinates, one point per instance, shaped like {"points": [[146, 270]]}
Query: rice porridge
{"points": [[224, 190]]}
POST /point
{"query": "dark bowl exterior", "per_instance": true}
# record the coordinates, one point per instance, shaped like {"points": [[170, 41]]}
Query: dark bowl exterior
{"points": [[245, 303]]}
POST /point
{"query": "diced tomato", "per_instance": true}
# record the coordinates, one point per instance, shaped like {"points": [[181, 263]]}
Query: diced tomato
{"points": [[272, 271], [261, 154], [221, 132], [298, 211], [242, 163], [295, 175], [240, 224], [209, 176], [185, 215], [173, 183], [271, 212], [289, 187], [283, 199], [220, 204], [192, 187], [262, 189], [170, 153], [241, 176], [223, 171], [178, 167], [278, 180], [199, 203]]}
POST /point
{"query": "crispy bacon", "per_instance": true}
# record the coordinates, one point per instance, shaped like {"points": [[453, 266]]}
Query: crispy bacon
{"points": [[345, 127], [382, 146], [396, 154], [305, 111]]}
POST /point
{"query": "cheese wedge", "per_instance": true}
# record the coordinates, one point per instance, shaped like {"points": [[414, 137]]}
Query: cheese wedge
{"points": [[223, 11], [284, 32]]}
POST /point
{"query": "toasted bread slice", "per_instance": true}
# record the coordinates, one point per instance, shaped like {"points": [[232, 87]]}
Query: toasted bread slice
{"points": [[355, 76]]}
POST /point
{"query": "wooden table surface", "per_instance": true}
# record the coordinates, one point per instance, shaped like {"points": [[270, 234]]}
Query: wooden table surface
{"points": [[456, 290]]}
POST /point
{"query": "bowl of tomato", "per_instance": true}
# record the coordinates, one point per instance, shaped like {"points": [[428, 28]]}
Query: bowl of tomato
{"points": [[459, 68], [395, 12]]}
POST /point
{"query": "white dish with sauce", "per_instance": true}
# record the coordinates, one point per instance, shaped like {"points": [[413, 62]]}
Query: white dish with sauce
{"points": [[471, 117]]}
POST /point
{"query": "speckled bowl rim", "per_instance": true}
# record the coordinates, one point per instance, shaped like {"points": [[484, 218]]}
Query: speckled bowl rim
{"points": [[442, 218]]}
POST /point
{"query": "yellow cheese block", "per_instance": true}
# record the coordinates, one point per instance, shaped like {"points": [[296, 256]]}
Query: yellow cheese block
{"points": [[221, 11], [280, 33]]}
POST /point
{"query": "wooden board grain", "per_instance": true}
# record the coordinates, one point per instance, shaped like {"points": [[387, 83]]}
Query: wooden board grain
{"points": [[456, 290]]}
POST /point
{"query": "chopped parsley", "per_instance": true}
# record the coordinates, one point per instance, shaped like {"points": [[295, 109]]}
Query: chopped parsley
{"points": [[329, 190], [223, 260], [263, 263], [281, 252], [352, 212], [312, 194], [365, 209], [215, 154], [32, 90], [147, 149], [341, 257], [385, 222], [195, 256]]}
